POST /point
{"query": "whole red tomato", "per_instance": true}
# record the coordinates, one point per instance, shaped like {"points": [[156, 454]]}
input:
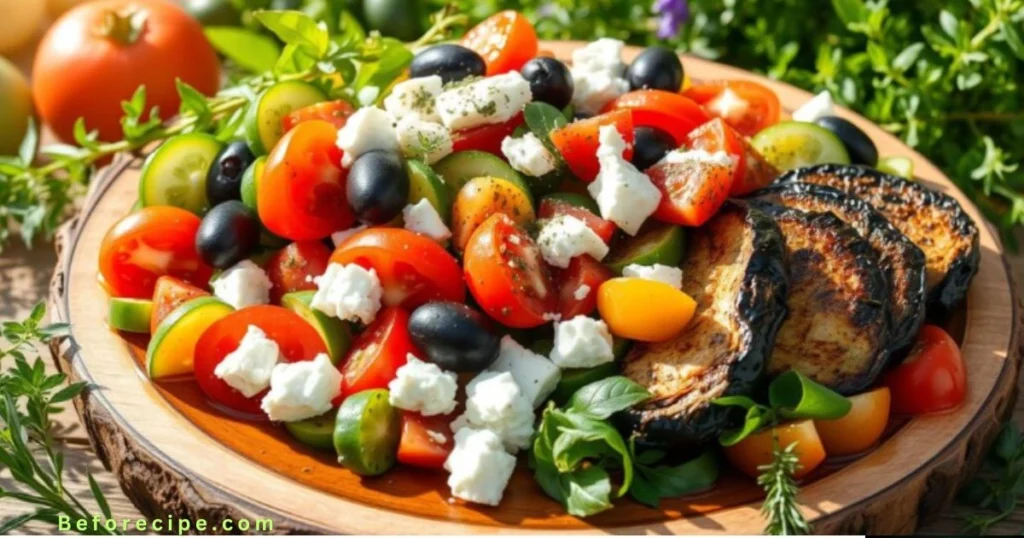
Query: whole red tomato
{"points": [[932, 378], [97, 55]]}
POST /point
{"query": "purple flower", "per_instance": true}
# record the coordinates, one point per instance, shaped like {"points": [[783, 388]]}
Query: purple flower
{"points": [[673, 14]]}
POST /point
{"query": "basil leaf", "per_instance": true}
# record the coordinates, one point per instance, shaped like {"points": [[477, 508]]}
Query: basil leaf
{"points": [[797, 396], [297, 28], [252, 51], [649, 457], [587, 491], [543, 118], [695, 475], [756, 418], [603, 398], [644, 492], [850, 11], [391, 60], [541, 455], [585, 435]]}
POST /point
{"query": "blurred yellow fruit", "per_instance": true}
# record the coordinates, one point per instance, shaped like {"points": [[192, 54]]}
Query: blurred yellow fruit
{"points": [[19, 22], [15, 107], [56, 8]]}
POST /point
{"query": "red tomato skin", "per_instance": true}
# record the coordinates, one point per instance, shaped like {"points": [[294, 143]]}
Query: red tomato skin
{"points": [[932, 378], [485, 137], [160, 230], [418, 448], [578, 141], [297, 339], [691, 193], [293, 268], [582, 271], [670, 112], [505, 40], [751, 170], [761, 109], [334, 112], [170, 293], [377, 354], [551, 207]]}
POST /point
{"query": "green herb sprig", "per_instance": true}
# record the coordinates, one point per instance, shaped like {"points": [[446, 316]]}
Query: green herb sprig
{"points": [[999, 490], [780, 505]]}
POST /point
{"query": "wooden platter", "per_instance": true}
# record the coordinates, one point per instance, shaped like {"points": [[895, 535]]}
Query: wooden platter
{"points": [[174, 454]]}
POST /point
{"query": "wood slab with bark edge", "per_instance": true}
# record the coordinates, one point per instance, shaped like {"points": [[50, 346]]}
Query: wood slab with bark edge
{"points": [[175, 455]]}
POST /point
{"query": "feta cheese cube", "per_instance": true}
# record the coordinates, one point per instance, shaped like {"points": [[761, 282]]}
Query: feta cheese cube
{"points": [[495, 402], [339, 237], [582, 342], [425, 140], [423, 387], [414, 96], [536, 376], [684, 156], [673, 276], [491, 100], [592, 91], [601, 55], [479, 466], [368, 129], [581, 292], [818, 106], [564, 237], [348, 292], [624, 195], [243, 284], [247, 368], [421, 217], [528, 155], [300, 390]]}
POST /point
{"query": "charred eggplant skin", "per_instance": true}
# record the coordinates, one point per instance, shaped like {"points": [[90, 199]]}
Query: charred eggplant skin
{"points": [[759, 308], [934, 221], [901, 261]]}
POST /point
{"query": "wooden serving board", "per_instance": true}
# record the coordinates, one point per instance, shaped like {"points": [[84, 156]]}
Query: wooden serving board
{"points": [[175, 454]]}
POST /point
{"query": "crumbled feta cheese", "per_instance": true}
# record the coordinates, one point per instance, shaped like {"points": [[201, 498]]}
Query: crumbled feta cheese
{"points": [[818, 106], [582, 342], [437, 437], [495, 402], [368, 129], [421, 217], [426, 140], [592, 91], [729, 104], [479, 466], [624, 195], [368, 95], [528, 155], [339, 237], [348, 292], [300, 390], [414, 96], [564, 237], [683, 156], [536, 376], [423, 387], [247, 368], [491, 100], [602, 55], [581, 292], [673, 276], [243, 284]]}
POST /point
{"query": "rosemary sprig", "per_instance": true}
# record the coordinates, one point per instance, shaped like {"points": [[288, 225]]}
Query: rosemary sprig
{"points": [[780, 506]]}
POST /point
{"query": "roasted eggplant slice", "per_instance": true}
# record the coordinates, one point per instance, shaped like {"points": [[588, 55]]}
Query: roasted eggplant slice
{"points": [[837, 328], [735, 269], [901, 261], [934, 221]]}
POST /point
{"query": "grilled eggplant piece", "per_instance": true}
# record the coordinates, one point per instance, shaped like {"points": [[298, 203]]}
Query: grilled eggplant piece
{"points": [[901, 261], [934, 221], [837, 329], [735, 270]]}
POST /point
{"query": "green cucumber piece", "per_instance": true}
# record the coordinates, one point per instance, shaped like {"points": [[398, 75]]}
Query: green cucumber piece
{"points": [[250, 182], [460, 167], [130, 315], [896, 165], [366, 433], [795, 144], [575, 199], [574, 379], [175, 174], [172, 348], [334, 332], [660, 243], [424, 183], [263, 120], [317, 432]]}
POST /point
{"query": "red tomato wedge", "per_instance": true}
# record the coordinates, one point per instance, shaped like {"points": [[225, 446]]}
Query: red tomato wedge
{"points": [[505, 41], [297, 340], [578, 141], [413, 269], [334, 112], [485, 137], [426, 441], [932, 378], [582, 271], [746, 105], [691, 192], [553, 207], [507, 276], [670, 112], [378, 352], [293, 267], [170, 293], [751, 171]]}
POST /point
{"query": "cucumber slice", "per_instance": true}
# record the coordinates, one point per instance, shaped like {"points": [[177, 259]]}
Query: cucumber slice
{"points": [[576, 199], [425, 183], [897, 166], [661, 243], [366, 433], [263, 121], [175, 174], [458, 168], [333, 331], [795, 144], [317, 432], [250, 180], [574, 379], [131, 315], [172, 349]]}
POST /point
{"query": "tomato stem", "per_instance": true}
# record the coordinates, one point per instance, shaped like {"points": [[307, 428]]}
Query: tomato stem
{"points": [[124, 26]]}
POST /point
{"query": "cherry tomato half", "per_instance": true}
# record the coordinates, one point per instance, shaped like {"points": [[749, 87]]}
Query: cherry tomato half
{"points": [[293, 267], [170, 293], [861, 428], [746, 105], [578, 141], [691, 192], [670, 112], [933, 377], [426, 441], [147, 244], [751, 171], [505, 41], [553, 207], [582, 271], [485, 137], [378, 352], [334, 112], [756, 450]]}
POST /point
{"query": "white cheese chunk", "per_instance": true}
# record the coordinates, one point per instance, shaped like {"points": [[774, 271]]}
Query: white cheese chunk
{"points": [[368, 129], [601, 55], [592, 91], [423, 387], [581, 292], [536, 376], [624, 195], [697, 156], [300, 390], [582, 342], [673, 276], [816, 107], [479, 466], [349, 292], [414, 96], [428, 141], [491, 100], [421, 217], [495, 402], [339, 237], [243, 284], [247, 368], [528, 155], [564, 237], [729, 104]]}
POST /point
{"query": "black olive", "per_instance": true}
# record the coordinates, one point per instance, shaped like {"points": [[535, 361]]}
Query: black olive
{"points": [[656, 68], [454, 336], [451, 62], [228, 234], [377, 186], [224, 179], [579, 116], [858, 144], [550, 81], [650, 145]]}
